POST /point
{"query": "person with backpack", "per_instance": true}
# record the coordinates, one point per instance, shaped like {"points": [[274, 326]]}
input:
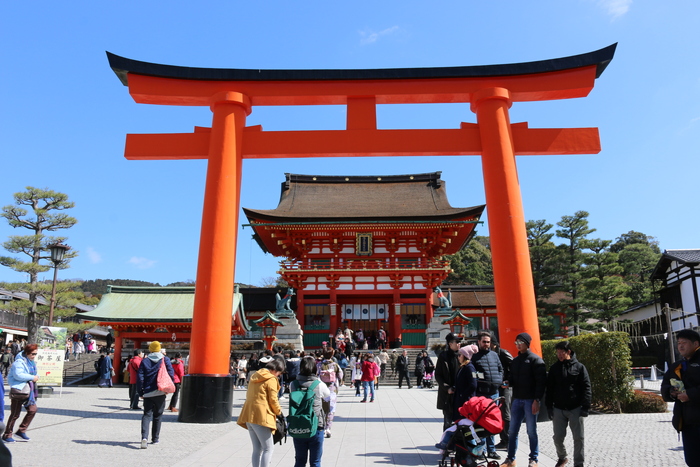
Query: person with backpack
{"points": [[329, 372], [261, 408], [147, 387], [309, 404]]}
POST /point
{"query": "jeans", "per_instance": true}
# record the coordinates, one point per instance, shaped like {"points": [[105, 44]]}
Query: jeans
{"points": [[520, 410], [691, 447], [573, 418], [368, 385], [311, 448], [490, 440], [153, 408], [261, 436]]}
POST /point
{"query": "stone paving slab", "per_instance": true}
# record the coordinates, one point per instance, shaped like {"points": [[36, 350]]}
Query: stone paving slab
{"points": [[400, 428]]}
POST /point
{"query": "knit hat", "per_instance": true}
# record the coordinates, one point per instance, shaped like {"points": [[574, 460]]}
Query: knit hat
{"points": [[525, 337], [154, 347], [468, 350]]}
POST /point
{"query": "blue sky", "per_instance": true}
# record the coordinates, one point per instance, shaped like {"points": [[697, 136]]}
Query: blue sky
{"points": [[64, 114]]}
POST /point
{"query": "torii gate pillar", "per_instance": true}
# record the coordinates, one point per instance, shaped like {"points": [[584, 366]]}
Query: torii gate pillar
{"points": [[510, 253], [207, 390]]}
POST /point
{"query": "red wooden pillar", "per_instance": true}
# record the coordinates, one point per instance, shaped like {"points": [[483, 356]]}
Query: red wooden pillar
{"points": [[117, 359], [213, 299], [512, 272]]}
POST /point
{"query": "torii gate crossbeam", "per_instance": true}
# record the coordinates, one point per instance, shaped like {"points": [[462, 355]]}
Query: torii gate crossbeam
{"points": [[231, 94]]}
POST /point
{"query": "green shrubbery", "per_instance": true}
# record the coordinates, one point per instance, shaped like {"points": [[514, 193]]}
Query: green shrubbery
{"points": [[644, 402], [607, 358]]}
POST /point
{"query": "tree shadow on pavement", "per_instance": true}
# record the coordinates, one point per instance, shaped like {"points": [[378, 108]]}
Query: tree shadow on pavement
{"points": [[124, 444]]}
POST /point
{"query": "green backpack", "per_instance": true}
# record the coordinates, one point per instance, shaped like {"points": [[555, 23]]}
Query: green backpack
{"points": [[303, 421]]}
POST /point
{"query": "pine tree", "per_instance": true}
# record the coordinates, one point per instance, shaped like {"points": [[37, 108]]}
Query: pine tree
{"points": [[46, 216], [574, 230]]}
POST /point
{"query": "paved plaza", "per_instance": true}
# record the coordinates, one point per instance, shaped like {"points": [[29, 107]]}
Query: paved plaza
{"points": [[94, 426]]}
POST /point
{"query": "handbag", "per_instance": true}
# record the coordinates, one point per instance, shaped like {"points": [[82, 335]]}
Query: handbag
{"points": [[165, 383], [280, 430], [20, 394]]}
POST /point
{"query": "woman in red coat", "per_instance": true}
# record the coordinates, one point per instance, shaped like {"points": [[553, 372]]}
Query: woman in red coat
{"points": [[179, 369], [370, 370]]}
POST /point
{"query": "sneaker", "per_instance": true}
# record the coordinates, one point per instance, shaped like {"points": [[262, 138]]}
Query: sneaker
{"points": [[328, 434], [493, 455], [562, 462], [144, 443], [502, 445], [508, 463], [363, 400], [9, 440], [155, 442], [532, 463], [371, 400], [23, 436]]}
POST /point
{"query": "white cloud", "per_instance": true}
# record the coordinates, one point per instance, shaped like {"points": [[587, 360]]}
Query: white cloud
{"points": [[142, 263], [616, 8], [370, 37], [93, 256]]}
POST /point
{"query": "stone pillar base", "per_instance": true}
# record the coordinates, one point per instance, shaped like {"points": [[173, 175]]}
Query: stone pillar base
{"points": [[206, 399]]}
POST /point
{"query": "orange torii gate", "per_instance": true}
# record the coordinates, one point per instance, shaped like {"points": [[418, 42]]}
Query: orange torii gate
{"points": [[231, 94]]}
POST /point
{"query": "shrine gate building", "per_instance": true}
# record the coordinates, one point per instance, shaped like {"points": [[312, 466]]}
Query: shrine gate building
{"points": [[365, 251]]}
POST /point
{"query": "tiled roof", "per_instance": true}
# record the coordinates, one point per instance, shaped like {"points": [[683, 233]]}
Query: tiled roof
{"points": [[147, 304], [348, 198], [467, 296], [684, 256]]}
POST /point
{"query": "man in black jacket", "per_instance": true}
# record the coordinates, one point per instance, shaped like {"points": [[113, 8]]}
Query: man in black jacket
{"points": [[568, 401], [445, 374], [682, 384], [402, 368], [489, 373], [528, 378]]}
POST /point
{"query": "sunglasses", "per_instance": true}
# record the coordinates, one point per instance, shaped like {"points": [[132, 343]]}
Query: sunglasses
{"points": [[33, 353], [519, 342]]}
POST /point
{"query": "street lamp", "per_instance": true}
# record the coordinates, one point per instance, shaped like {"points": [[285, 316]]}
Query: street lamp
{"points": [[58, 252]]}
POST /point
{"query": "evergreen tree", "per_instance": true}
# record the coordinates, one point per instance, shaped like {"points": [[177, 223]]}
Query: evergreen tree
{"points": [[472, 264], [46, 215], [603, 291], [574, 230], [638, 261]]}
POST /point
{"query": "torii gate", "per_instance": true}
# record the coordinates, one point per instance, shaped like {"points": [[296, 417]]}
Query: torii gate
{"points": [[231, 94]]}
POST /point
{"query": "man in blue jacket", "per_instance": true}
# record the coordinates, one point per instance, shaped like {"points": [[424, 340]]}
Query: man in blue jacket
{"points": [[147, 387], [489, 371]]}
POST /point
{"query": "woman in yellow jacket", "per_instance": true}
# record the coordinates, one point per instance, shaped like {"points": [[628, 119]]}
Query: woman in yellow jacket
{"points": [[260, 410]]}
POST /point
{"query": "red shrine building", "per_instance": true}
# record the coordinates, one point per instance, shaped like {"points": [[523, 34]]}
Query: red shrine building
{"points": [[364, 251]]}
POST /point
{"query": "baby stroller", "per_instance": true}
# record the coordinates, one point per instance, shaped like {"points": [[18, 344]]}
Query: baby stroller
{"points": [[428, 380], [466, 447]]}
